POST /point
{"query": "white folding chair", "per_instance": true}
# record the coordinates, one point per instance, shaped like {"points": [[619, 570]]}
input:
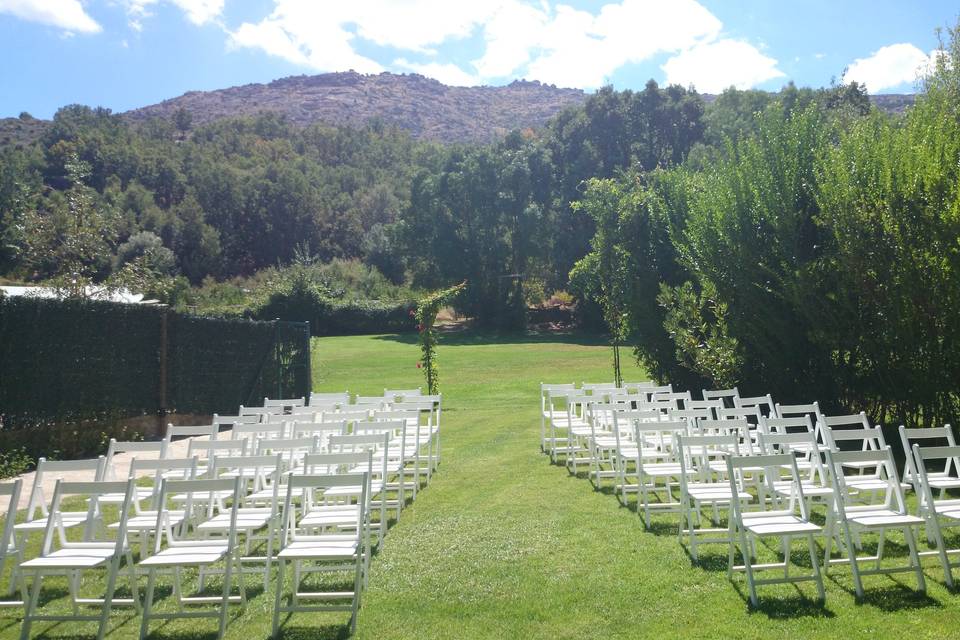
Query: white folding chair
{"points": [[335, 549], [285, 403], [763, 403], [183, 550], [140, 449], [701, 486], [678, 399], [142, 521], [60, 555], [258, 514], [656, 460], [341, 398], [38, 510], [727, 396], [783, 520], [9, 550], [938, 511], [209, 431], [857, 518], [553, 407], [400, 395], [941, 480]]}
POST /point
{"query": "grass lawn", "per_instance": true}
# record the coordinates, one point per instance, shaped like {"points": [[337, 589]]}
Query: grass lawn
{"points": [[505, 545]]}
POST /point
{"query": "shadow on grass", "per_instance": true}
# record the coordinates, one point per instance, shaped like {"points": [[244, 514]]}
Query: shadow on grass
{"points": [[895, 596], [783, 608], [715, 562], [474, 338], [328, 632]]}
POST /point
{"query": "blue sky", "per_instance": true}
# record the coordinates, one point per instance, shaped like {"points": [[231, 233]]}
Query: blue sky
{"points": [[123, 54]]}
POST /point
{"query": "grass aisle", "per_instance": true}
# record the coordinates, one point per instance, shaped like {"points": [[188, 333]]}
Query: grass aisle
{"points": [[505, 545]]}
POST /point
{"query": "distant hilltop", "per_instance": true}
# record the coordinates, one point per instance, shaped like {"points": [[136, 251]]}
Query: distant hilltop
{"points": [[426, 108]]}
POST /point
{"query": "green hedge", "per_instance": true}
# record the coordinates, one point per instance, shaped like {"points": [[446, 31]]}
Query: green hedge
{"points": [[335, 318], [75, 361]]}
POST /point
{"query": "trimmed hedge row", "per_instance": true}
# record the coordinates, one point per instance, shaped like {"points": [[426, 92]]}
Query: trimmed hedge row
{"points": [[77, 360], [334, 318]]}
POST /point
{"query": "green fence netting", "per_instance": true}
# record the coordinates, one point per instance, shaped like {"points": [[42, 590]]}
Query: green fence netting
{"points": [[65, 361]]}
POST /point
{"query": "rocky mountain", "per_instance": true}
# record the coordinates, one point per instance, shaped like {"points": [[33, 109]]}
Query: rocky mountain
{"points": [[425, 107]]}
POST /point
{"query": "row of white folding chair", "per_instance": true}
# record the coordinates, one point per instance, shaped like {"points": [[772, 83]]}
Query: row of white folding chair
{"points": [[174, 550], [854, 517], [553, 403]]}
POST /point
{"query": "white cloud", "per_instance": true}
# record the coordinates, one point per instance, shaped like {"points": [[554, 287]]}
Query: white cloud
{"points": [[65, 14], [714, 66], [888, 67], [198, 12], [553, 43], [449, 74]]}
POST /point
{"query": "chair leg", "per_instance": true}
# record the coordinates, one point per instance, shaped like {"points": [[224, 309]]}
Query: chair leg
{"points": [[31, 609], [908, 533], [108, 597], [748, 565], [816, 568], [148, 604], [281, 564]]}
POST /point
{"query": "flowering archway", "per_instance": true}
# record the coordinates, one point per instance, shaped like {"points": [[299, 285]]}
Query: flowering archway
{"points": [[426, 315]]}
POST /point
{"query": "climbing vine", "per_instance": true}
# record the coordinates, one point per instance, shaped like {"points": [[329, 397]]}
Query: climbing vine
{"points": [[426, 315]]}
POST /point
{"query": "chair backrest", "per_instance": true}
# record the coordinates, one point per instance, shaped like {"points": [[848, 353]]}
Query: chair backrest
{"points": [[661, 434], [155, 470], [192, 431], [305, 485], [649, 392], [764, 403], [728, 396], [370, 401], [636, 387], [206, 449], [320, 430], [285, 403], [691, 415], [340, 397], [261, 411], [139, 447], [360, 442], [751, 414], [93, 491], [799, 443], [292, 450], [882, 460], [398, 395], [836, 431], [910, 437], [203, 499], [678, 398], [588, 388], [257, 473], [795, 424], [769, 469], [94, 470], [348, 416], [697, 452], [231, 421], [713, 405], [260, 431], [343, 462], [924, 457], [10, 491]]}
